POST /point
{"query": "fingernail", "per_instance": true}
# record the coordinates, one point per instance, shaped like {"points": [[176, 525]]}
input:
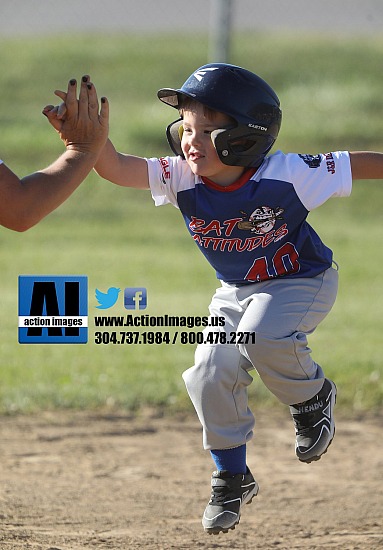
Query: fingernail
{"points": [[85, 79], [103, 99], [89, 86], [72, 82]]}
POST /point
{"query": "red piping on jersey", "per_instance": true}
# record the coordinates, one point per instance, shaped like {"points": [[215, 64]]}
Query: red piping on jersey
{"points": [[233, 186]]}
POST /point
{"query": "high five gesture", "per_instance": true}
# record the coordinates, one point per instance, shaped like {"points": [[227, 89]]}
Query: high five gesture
{"points": [[84, 131]]}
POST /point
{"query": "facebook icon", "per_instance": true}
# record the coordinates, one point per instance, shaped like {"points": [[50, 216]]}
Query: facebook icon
{"points": [[135, 298]]}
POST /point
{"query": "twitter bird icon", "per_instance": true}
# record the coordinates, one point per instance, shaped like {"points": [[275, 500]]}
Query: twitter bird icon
{"points": [[107, 299]]}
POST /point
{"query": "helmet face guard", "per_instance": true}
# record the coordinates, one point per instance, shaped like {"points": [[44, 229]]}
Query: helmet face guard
{"points": [[244, 97]]}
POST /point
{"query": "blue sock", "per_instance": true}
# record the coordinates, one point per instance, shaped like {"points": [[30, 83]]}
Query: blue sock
{"points": [[232, 460]]}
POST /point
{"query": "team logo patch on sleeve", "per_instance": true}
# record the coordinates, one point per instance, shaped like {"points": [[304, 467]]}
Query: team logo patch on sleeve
{"points": [[313, 161]]}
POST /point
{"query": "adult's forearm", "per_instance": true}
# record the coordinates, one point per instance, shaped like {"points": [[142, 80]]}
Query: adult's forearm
{"points": [[26, 201]]}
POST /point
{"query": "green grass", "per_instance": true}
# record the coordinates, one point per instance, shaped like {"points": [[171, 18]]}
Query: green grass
{"points": [[330, 91]]}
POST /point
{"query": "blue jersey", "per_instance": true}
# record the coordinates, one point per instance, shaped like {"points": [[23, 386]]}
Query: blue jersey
{"points": [[256, 229]]}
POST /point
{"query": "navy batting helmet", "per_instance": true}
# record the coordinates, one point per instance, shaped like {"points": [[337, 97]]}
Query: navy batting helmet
{"points": [[243, 96]]}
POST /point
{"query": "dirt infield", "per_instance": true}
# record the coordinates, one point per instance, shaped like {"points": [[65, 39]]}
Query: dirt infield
{"points": [[72, 481]]}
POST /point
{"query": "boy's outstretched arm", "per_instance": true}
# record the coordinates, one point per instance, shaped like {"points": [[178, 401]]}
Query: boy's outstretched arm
{"points": [[366, 165], [24, 202], [125, 170]]}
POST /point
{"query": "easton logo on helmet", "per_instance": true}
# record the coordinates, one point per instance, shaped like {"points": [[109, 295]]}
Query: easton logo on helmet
{"points": [[257, 127], [200, 74]]}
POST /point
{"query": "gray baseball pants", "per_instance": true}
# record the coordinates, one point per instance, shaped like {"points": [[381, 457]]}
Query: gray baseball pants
{"points": [[280, 313]]}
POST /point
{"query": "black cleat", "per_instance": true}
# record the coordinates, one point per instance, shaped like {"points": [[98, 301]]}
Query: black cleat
{"points": [[228, 494], [314, 423]]}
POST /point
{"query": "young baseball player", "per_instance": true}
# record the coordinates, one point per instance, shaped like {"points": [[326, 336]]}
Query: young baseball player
{"points": [[247, 212], [24, 202]]}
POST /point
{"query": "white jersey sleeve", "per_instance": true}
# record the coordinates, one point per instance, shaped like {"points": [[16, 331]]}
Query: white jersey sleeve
{"points": [[167, 177], [316, 178]]}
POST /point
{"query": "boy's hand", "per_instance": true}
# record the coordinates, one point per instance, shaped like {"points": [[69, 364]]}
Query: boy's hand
{"points": [[79, 122]]}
